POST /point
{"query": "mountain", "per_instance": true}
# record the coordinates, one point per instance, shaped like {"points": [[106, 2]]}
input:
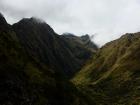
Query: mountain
{"points": [[28, 66], [42, 43], [112, 76], [40, 67], [25, 80], [2, 20]]}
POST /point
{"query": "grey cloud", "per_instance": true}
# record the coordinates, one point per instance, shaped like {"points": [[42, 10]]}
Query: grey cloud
{"points": [[108, 18]]}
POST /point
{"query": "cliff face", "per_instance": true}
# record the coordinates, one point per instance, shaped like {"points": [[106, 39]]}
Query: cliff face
{"points": [[112, 76]]}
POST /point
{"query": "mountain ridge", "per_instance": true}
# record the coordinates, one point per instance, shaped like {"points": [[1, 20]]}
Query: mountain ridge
{"points": [[40, 67], [40, 41], [25, 80], [111, 76]]}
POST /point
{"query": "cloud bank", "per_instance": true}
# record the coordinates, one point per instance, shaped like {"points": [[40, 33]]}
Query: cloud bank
{"points": [[109, 19]]}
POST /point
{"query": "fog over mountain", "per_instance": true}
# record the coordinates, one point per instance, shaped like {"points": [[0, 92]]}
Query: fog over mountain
{"points": [[107, 18]]}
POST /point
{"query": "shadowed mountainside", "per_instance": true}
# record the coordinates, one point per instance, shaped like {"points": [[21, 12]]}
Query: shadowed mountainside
{"points": [[42, 43], [25, 78]]}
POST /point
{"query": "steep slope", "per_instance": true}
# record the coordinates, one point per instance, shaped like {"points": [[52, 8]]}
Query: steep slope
{"points": [[112, 76], [26, 81], [42, 43]]}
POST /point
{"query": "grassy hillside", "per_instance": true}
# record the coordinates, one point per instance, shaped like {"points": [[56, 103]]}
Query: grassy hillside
{"points": [[112, 76]]}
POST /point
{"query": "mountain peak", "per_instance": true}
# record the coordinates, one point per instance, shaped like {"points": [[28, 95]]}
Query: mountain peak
{"points": [[34, 23], [37, 20], [85, 37], [32, 20], [2, 20]]}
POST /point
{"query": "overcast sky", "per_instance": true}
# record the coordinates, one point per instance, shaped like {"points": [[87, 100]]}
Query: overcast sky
{"points": [[107, 19]]}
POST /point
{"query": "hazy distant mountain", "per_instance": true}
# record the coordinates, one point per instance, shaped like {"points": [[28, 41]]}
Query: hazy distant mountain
{"points": [[84, 40]]}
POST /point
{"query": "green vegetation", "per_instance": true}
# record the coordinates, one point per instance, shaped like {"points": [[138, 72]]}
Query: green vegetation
{"points": [[112, 76], [36, 64]]}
